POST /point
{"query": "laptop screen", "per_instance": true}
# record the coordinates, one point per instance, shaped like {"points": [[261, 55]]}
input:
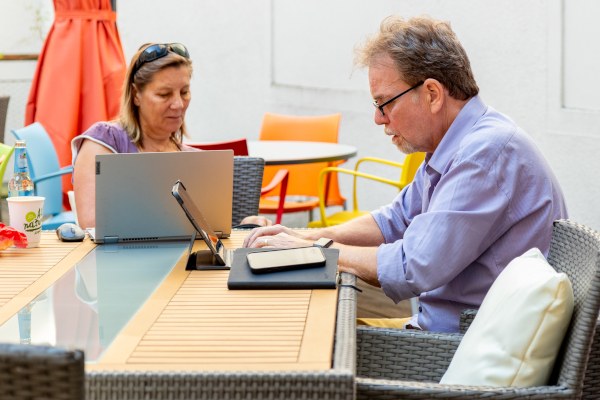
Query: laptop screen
{"points": [[133, 200]]}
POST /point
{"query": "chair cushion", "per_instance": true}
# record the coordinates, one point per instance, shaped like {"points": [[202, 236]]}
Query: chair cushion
{"points": [[518, 331]]}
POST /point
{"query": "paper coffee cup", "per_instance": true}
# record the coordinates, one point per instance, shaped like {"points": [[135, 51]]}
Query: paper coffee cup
{"points": [[25, 215]]}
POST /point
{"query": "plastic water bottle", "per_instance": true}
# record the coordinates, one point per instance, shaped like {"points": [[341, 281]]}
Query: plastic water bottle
{"points": [[20, 184]]}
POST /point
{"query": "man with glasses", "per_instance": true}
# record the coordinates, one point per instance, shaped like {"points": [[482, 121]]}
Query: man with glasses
{"points": [[483, 196]]}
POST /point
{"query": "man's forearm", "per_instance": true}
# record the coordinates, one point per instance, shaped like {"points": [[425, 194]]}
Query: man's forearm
{"points": [[362, 231], [357, 241], [360, 261]]}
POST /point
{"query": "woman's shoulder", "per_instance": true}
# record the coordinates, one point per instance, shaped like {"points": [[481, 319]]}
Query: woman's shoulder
{"points": [[105, 129], [112, 135], [107, 134]]}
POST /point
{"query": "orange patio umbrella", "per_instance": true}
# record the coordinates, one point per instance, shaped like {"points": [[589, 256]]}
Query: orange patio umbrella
{"points": [[79, 74]]}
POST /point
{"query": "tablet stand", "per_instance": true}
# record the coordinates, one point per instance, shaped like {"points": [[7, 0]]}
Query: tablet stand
{"points": [[203, 260]]}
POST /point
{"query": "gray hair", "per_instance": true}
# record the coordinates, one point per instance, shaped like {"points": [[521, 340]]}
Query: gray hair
{"points": [[422, 48]]}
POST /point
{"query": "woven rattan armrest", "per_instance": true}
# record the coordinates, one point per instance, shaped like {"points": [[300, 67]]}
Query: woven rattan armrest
{"points": [[404, 354], [591, 381], [40, 372], [466, 319], [392, 389]]}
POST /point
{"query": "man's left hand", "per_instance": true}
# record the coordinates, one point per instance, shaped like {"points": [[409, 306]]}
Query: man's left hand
{"points": [[276, 236]]}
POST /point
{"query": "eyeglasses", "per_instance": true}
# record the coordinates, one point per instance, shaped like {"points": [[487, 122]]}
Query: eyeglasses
{"points": [[156, 51], [380, 106]]}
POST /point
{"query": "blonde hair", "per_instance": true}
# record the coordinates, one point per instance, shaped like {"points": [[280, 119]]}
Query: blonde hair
{"points": [[422, 48], [129, 116]]}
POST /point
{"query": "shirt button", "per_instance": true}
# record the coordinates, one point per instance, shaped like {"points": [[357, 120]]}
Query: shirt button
{"points": [[420, 309]]}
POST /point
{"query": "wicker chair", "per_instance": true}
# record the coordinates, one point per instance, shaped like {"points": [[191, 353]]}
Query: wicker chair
{"points": [[408, 364], [247, 183], [591, 381], [41, 372]]}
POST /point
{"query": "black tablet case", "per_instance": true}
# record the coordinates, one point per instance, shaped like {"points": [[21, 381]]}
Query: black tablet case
{"points": [[241, 277]]}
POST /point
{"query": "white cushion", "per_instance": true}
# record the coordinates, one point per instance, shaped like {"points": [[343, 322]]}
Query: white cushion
{"points": [[518, 330]]}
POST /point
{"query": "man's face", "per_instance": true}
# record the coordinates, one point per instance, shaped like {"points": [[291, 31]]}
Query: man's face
{"points": [[405, 119]]}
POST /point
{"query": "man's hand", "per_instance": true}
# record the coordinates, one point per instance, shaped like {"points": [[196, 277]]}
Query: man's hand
{"points": [[276, 236], [256, 220]]}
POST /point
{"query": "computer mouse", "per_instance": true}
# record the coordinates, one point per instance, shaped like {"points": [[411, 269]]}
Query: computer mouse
{"points": [[69, 232]]}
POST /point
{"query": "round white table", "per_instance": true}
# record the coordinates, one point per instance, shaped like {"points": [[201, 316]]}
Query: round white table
{"points": [[282, 152]]}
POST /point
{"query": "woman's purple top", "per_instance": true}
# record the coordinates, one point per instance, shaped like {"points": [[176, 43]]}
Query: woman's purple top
{"points": [[110, 135]]}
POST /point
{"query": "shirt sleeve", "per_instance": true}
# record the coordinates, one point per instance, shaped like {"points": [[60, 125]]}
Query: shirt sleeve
{"points": [[107, 134], [425, 250], [394, 219]]}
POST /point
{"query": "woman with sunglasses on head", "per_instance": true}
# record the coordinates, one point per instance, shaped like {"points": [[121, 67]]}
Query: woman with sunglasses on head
{"points": [[156, 95]]}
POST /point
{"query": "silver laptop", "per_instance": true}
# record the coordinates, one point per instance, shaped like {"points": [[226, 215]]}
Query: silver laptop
{"points": [[134, 201]]}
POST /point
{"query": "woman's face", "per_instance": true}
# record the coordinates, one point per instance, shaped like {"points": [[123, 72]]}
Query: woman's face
{"points": [[163, 102]]}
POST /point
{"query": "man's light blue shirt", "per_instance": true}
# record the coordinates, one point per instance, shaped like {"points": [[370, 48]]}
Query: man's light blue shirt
{"points": [[483, 197]]}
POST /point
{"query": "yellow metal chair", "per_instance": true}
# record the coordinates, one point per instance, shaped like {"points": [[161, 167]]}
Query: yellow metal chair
{"points": [[408, 169], [302, 191]]}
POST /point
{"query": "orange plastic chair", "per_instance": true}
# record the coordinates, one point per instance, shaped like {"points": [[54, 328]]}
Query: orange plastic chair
{"points": [[303, 188], [408, 167], [278, 184]]}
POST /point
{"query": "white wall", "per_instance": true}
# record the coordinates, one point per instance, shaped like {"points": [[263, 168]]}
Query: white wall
{"points": [[296, 57], [23, 27]]}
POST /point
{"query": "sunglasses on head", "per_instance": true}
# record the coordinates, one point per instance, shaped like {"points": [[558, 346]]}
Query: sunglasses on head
{"points": [[156, 51]]}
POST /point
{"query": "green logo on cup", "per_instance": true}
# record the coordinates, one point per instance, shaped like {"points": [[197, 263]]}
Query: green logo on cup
{"points": [[30, 216], [34, 221]]}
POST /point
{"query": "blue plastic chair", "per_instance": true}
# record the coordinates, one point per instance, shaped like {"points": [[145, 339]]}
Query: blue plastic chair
{"points": [[46, 173]]}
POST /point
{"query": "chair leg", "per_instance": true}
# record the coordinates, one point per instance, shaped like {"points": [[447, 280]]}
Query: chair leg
{"points": [[282, 194]]}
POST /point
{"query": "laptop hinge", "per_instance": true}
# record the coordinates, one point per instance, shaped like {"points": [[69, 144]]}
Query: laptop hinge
{"points": [[111, 239]]}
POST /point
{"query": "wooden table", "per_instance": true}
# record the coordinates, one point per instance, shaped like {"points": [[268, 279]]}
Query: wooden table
{"points": [[194, 331]]}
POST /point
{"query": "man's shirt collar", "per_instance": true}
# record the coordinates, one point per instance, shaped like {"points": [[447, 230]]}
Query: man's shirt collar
{"points": [[461, 127]]}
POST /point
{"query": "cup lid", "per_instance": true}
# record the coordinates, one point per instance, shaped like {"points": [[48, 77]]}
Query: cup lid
{"points": [[25, 198]]}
